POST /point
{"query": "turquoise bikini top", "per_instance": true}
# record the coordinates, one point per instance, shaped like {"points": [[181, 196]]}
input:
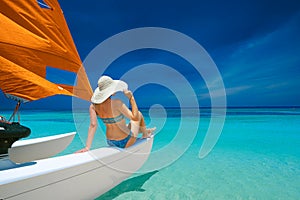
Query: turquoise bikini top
{"points": [[113, 119]]}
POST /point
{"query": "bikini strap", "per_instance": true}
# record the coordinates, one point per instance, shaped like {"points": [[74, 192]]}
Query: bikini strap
{"points": [[113, 119]]}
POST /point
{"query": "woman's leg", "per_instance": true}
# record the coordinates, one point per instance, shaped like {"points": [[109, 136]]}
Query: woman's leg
{"points": [[146, 132], [136, 127], [139, 126]]}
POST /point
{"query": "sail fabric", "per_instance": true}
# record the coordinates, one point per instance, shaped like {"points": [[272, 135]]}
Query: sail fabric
{"points": [[33, 38]]}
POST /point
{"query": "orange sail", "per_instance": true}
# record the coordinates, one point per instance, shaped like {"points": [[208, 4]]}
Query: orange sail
{"points": [[32, 39]]}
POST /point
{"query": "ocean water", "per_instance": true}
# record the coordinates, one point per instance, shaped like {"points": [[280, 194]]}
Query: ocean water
{"points": [[257, 155]]}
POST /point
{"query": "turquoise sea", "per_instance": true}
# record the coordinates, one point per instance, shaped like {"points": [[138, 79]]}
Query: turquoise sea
{"points": [[257, 155]]}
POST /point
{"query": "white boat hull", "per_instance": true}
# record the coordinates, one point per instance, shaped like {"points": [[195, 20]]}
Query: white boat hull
{"points": [[76, 176], [39, 148]]}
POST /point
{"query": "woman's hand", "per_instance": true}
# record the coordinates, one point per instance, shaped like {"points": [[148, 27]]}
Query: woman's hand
{"points": [[82, 150], [128, 94]]}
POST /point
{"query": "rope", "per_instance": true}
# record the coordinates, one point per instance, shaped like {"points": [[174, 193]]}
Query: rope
{"points": [[15, 112]]}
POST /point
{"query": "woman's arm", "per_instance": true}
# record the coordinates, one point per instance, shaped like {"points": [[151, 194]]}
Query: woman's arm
{"points": [[92, 128], [91, 131], [134, 114]]}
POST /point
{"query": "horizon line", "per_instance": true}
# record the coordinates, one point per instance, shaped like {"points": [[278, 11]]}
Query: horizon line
{"points": [[170, 107]]}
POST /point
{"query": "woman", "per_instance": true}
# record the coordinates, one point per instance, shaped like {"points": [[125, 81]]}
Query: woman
{"points": [[113, 113]]}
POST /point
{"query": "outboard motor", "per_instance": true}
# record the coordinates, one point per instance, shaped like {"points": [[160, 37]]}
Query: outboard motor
{"points": [[9, 133]]}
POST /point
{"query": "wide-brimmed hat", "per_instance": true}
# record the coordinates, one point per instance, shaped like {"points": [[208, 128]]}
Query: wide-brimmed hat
{"points": [[106, 87]]}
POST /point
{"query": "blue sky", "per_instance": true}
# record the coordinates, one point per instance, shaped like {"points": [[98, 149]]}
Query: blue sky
{"points": [[255, 45]]}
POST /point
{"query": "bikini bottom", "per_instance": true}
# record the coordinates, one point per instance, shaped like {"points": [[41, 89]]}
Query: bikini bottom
{"points": [[119, 143]]}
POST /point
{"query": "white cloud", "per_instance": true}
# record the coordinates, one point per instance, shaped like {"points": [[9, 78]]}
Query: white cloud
{"points": [[277, 85], [228, 91]]}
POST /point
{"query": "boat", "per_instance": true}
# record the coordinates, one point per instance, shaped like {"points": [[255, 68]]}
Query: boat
{"points": [[39, 148], [74, 176], [35, 41]]}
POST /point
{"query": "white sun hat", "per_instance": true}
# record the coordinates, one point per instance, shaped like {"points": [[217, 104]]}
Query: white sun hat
{"points": [[107, 87]]}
